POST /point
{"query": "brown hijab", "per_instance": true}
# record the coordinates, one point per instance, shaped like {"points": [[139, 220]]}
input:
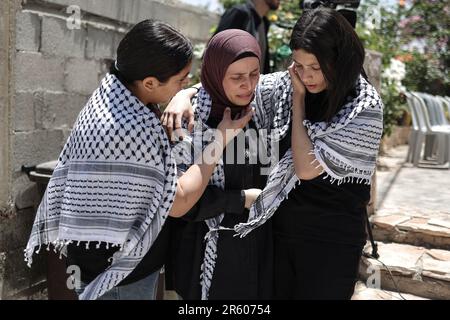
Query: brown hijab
{"points": [[223, 49]]}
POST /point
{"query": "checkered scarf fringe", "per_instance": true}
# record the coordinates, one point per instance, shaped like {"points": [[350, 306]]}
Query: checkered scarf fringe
{"points": [[346, 148]]}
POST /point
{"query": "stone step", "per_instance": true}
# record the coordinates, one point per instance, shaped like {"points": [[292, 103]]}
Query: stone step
{"points": [[362, 292], [415, 270], [430, 231]]}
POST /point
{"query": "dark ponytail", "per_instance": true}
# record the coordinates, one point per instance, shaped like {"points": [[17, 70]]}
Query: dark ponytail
{"points": [[113, 70], [151, 49]]}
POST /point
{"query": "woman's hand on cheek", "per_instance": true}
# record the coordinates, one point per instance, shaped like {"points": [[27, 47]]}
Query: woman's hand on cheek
{"points": [[297, 84]]}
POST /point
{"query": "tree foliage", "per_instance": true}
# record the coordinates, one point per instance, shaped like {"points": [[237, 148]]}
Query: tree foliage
{"points": [[415, 32], [412, 35]]}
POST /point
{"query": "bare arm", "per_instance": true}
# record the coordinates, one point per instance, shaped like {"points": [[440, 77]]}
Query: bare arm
{"points": [[193, 182], [304, 162]]}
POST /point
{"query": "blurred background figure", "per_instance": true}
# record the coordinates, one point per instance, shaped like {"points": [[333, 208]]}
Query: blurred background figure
{"points": [[345, 7], [251, 17]]}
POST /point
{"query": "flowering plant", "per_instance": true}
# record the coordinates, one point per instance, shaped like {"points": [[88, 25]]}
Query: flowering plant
{"points": [[413, 37]]}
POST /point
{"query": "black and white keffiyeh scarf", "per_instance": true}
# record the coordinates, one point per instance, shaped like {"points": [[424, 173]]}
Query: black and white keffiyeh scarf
{"points": [[272, 94], [115, 183], [346, 148]]}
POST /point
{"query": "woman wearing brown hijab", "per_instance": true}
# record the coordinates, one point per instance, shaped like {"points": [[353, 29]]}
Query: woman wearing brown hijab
{"points": [[224, 266]]}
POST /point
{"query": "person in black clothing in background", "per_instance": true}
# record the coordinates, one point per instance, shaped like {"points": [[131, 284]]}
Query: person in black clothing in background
{"points": [[251, 17]]}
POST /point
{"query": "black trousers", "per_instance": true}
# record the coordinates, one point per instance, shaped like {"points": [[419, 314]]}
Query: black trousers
{"points": [[314, 270]]}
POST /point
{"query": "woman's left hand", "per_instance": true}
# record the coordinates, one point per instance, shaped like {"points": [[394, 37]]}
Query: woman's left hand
{"points": [[297, 84], [179, 108]]}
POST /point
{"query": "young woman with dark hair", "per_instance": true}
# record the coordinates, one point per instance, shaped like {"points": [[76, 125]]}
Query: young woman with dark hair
{"points": [[339, 56], [116, 182], [330, 122], [209, 262], [319, 226]]}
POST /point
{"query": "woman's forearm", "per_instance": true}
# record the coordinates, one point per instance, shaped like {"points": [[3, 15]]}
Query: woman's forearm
{"points": [[193, 182], [305, 163]]}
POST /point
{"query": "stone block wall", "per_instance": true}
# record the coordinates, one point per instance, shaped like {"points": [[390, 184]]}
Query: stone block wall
{"points": [[372, 66], [50, 63]]}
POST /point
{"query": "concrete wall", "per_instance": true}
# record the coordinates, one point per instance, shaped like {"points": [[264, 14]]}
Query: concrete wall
{"points": [[372, 66], [6, 43], [49, 66]]}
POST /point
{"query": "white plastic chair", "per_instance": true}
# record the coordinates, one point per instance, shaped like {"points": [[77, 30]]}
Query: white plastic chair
{"points": [[437, 122], [445, 104], [427, 112], [415, 130]]}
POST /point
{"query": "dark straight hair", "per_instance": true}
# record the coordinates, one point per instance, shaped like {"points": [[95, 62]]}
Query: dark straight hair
{"points": [[151, 49], [326, 34]]}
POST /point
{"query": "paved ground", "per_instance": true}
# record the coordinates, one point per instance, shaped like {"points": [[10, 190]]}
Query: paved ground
{"points": [[400, 185], [364, 293]]}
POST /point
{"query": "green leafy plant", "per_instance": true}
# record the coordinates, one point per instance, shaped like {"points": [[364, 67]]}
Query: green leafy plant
{"points": [[229, 3]]}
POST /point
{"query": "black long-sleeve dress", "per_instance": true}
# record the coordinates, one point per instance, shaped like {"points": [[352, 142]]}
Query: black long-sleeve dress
{"points": [[244, 266]]}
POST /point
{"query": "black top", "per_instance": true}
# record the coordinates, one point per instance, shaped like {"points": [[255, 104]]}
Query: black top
{"points": [[93, 261], [245, 17], [321, 211], [318, 209], [243, 267]]}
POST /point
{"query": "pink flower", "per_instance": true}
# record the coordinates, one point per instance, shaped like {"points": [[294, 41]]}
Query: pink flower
{"points": [[415, 19], [410, 20]]}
